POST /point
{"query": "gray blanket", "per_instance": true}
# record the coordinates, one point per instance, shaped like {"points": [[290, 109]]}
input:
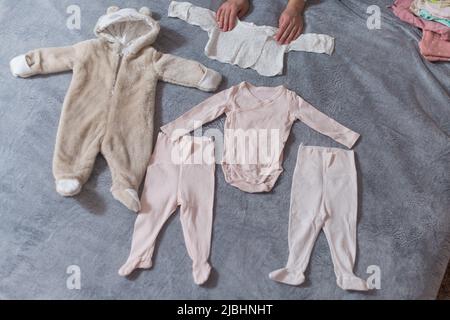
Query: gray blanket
{"points": [[376, 83]]}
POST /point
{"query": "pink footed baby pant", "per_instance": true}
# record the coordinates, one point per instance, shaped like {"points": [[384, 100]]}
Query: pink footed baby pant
{"points": [[180, 173], [323, 197]]}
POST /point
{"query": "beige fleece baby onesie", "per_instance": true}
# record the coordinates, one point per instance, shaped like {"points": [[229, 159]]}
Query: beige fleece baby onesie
{"points": [[110, 104]]}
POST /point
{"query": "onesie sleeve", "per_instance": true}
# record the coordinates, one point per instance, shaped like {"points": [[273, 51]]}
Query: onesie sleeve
{"points": [[44, 61], [205, 112], [313, 42], [185, 72], [320, 122], [201, 17]]}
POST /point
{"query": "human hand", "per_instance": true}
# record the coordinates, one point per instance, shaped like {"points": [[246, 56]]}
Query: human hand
{"points": [[290, 26], [229, 11]]}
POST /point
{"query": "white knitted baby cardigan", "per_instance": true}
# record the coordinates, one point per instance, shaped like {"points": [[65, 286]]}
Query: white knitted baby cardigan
{"points": [[248, 45]]}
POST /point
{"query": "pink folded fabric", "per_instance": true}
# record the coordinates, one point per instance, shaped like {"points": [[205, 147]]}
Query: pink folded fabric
{"points": [[402, 11], [433, 48]]}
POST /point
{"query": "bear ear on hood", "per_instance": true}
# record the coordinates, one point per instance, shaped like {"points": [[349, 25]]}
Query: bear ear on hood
{"points": [[112, 9], [145, 11]]}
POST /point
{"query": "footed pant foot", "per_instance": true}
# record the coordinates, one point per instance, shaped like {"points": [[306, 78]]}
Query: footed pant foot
{"points": [[201, 273], [352, 283], [129, 198], [68, 187], [287, 276], [134, 264]]}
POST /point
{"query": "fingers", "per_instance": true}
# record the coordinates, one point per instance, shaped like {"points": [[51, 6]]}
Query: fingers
{"points": [[227, 16], [287, 31], [293, 35], [232, 19], [220, 17], [296, 32], [281, 30], [299, 32], [226, 20]]}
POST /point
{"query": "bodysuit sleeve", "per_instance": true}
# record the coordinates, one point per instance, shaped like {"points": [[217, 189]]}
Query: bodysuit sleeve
{"points": [[313, 42], [303, 111], [185, 72], [44, 61], [201, 17], [205, 112]]}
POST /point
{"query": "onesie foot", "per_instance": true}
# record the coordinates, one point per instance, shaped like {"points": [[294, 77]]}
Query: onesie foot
{"points": [[352, 283], [129, 198], [68, 187], [287, 276], [201, 273], [132, 265]]}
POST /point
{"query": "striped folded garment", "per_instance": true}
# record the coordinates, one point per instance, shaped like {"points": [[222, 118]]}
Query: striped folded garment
{"points": [[438, 8], [434, 9], [435, 42]]}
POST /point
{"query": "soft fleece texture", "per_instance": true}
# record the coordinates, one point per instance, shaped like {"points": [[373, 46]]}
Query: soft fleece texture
{"points": [[376, 83], [109, 107]]}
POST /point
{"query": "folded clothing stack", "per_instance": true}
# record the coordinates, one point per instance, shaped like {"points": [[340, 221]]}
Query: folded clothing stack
{"points": [[433, 17]]}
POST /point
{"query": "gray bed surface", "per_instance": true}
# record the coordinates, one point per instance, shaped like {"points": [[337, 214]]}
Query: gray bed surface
{"points": [[376, 83]]}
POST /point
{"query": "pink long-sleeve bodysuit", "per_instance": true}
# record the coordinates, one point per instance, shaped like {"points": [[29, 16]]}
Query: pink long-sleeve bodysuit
{"points": [[259, 120]]}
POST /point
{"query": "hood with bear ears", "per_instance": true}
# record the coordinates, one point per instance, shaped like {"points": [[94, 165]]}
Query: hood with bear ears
{"points": [[130, 29]]}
